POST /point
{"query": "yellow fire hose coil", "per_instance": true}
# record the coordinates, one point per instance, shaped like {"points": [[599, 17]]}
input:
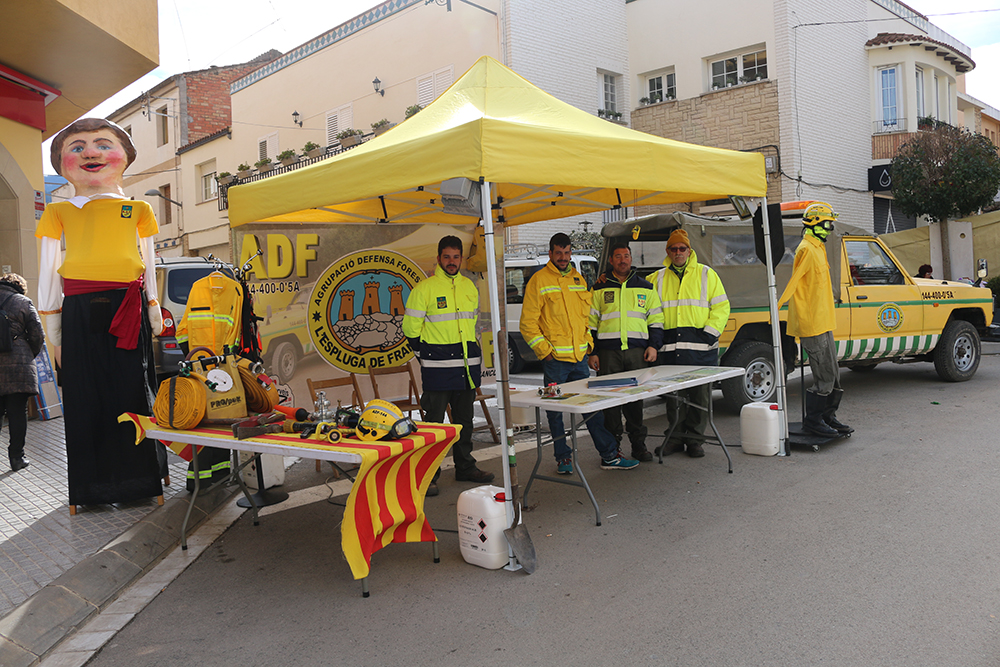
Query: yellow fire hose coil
{"points": [[180, 403]]}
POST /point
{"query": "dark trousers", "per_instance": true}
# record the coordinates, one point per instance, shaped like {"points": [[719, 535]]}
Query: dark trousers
{"points": [[434, 404], [15, 406], [689, 419], [616, 361]]}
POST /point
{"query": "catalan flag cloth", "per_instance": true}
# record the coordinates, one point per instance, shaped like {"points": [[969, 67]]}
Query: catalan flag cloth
{"points": [[386, 503]]}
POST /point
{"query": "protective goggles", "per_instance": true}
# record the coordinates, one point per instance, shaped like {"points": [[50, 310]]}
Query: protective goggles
{"points": [[401, 429]]}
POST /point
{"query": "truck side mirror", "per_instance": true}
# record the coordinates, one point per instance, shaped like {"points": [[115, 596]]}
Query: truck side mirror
{"points": [[981, 268]]}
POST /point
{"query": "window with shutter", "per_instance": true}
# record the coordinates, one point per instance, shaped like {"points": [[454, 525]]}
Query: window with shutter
{"points": [[337, 121], [425, 90], [429, 86]]}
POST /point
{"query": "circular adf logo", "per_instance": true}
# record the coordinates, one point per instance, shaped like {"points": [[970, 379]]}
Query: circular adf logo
{"points": [[890, 317], [356, 310]]}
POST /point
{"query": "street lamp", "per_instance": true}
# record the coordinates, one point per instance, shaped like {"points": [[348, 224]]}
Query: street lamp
{"points": [[157, 193], [378, 87]]}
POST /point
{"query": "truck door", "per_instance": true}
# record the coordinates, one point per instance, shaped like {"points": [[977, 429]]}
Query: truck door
{"points": [[886, 310]]}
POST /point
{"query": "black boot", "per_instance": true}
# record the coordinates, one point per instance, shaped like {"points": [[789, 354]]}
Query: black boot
{"points": [[813, 421], [830, 414], [18, 462]]}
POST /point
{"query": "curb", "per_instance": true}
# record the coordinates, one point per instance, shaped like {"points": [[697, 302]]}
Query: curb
{"points": [[60, 608]]}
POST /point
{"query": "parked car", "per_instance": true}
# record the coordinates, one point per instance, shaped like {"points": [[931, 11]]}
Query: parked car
{"points": [[521, 261], [174, 278], [883, 314]]}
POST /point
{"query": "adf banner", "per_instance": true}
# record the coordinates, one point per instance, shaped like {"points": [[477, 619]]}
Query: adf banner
{"points": [[334, 295]]}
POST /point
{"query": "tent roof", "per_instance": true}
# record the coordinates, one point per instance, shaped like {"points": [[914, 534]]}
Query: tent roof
{"points": [[546, 158]]}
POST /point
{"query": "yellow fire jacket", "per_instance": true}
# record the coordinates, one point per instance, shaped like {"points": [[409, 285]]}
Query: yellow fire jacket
{"points": [[555, 313], [213, 314], [811, 310]]}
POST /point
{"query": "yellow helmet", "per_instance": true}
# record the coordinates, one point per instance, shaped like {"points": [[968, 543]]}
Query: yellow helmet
{"points": [[818, 212], [377, 420]]}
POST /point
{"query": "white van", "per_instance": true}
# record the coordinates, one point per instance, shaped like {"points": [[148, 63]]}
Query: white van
{"points": [[521, 261]]}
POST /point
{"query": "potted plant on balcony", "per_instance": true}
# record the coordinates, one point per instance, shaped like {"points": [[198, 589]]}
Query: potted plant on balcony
{"points": [[380, 126], [643, 101], [288, 157], [263, 165], [313, 150], [412, 110], [349, 137], [243, 171], [925, 122], [225, 178]]}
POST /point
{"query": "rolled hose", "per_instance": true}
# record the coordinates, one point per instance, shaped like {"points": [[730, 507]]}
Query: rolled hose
{"points": [[260, 397], [180, 403]]}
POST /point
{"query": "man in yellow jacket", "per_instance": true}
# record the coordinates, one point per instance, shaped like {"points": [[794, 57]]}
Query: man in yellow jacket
{"points": [[812, 319], [440, 325], [554, 321], [695, 311]]}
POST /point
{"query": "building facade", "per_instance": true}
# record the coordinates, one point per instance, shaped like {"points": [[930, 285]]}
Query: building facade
{"points": [[181, 111], [46, 82], [827, 91]]}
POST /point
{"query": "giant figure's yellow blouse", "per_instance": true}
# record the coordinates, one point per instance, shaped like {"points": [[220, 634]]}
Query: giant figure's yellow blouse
{"points": [[100, 237]]}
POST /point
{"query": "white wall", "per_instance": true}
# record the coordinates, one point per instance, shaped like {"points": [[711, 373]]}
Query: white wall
{"points": [[825, 84], [397, 48], [563, 47], [687, 35]]}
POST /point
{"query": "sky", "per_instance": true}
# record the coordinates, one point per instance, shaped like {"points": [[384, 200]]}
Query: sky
{"points": [[196, 34]]}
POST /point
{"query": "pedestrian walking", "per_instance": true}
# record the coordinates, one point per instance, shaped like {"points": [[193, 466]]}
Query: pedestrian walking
{"points": [[18, 375]]}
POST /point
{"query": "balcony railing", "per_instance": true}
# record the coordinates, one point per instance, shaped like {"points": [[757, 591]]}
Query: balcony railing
{"points": [[279, 168], [887, 126]]}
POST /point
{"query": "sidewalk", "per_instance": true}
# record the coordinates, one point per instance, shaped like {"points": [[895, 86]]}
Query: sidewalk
{"points": [[57, 570]]}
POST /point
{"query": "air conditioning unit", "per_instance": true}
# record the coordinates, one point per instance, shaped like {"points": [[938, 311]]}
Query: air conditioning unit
{"points": [[461, 196]]}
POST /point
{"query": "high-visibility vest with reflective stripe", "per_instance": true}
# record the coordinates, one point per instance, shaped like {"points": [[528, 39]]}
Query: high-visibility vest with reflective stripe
{"points": [[625, 315], [555, 313], [695, 311], [212, 317], [440, 322]]}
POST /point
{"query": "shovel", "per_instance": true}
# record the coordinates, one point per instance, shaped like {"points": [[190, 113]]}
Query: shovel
{"points": [[517, 535]]}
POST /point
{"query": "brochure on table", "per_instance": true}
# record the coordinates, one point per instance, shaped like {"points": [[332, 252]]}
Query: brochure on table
{"points": [[651, 380]]}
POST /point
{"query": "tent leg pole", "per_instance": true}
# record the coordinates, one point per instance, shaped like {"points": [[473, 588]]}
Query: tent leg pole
{"points": [[779, 362], [495, 279]]}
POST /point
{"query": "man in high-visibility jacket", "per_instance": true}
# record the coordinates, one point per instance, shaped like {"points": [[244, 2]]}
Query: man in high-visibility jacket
{"points": [[695, 311], [626, 323], [554, 318], [440, 324], [812, 318]]}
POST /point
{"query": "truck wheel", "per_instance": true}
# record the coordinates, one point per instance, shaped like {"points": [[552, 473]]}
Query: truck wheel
{"points": [[283, 361], [515, 362], [956, 357], [758, 383]]}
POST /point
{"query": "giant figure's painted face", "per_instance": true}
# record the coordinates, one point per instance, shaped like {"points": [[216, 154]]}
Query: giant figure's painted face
{"points": [[94, 160]]}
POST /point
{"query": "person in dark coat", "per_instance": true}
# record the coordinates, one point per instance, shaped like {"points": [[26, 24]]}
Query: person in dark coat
{"points": [[18, 376]]}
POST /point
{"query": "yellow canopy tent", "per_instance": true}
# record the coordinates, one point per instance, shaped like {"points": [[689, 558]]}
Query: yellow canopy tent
{"points": [[545, 159], [532, 157]]}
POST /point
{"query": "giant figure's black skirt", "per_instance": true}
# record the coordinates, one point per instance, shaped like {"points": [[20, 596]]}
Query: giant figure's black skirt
{"points": [[100, 382]]}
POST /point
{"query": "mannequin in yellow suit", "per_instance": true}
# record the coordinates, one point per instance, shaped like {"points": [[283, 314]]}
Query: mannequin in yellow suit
{"points": [[211, 320], [811, 318]]}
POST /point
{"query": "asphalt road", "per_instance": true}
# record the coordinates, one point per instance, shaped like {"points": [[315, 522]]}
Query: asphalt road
{"points": [[881, 549]]}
